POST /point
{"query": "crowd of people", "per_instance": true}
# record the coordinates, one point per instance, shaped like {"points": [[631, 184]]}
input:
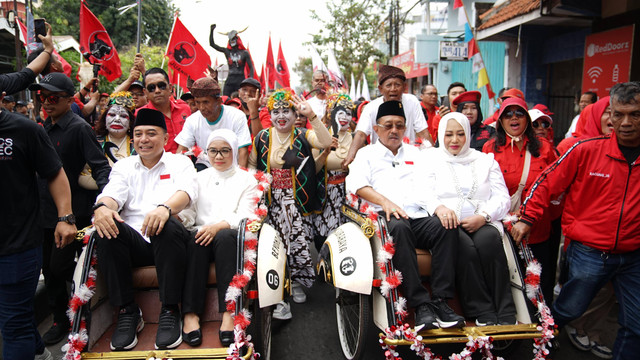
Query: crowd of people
{"points": [[165, 181]]}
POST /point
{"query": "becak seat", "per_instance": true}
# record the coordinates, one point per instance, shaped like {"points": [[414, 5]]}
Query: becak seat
{"points": [[145, 277]]}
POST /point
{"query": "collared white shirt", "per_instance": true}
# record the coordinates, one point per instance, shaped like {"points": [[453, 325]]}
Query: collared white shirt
{"points": [[139, 190], [412, 111], [396, 177], [197, 128]]}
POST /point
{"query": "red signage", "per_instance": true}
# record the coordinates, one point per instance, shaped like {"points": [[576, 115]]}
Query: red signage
{"points": [[607, 59], [405, 61]]}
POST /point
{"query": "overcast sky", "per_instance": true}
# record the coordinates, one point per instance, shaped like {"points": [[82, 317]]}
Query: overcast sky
{"points": [[288, 21]]}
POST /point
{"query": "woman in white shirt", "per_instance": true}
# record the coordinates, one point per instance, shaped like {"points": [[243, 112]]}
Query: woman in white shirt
{"points": [[468, 192], [226, 195]]}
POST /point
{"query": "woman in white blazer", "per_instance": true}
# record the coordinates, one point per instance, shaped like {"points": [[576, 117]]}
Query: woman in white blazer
{"points": [[467, 191]]}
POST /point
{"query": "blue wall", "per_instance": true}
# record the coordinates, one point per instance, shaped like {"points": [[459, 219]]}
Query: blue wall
{"points": [[493, 56]]}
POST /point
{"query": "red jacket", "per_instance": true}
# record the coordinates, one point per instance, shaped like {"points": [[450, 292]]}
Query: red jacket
{"points": [[602, 193]]}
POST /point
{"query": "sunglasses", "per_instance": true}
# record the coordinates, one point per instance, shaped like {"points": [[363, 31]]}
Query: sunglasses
{"points": [[214, 152], [161, 85], [391, 126], [52, 99], [512, 113], [543, 124]]}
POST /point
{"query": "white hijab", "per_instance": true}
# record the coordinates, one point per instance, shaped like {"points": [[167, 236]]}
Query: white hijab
{"points": [[231, 139], [466, 154]]}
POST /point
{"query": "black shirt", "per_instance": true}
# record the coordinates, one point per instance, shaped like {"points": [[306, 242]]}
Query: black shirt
{"points": [[630, 153], [480, 134], [16, 81], [25, 149], [76, 144]]}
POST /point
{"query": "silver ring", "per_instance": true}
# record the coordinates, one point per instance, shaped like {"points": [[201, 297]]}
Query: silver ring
{"points": [[445, 215], [302, 107]]}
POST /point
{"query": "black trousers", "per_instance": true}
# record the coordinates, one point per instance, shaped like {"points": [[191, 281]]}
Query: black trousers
{"points": [[222, 250], [58, 266], [482, 274], [424, 233], [167, 251]]}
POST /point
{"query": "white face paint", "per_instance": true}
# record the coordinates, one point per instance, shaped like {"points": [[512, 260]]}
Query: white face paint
{"points": [[117, 121], [343, 117], [283, 119]]}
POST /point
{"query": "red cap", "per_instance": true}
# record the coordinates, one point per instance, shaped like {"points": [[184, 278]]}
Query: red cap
{"points": [[472, 96], [514, 101], [543, 108], [511, 93], [104, 95]]}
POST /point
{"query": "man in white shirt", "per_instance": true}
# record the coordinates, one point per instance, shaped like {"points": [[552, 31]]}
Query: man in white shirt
{"points": [[318, 103], [135, 227], [212, 115], [392, 84], [386, 174]]}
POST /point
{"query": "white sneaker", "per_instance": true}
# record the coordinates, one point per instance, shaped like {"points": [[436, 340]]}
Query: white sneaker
{"points": [[601, 351], [298, 294], [46, 355], [580, 342], [282, 311], [556, 290]]}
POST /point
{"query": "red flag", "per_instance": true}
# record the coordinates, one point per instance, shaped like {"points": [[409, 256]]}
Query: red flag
{"points": [[263, 82], [282, 70], [247, 69], [186, 55], [95, 41], [270, 67], [457, 4]]}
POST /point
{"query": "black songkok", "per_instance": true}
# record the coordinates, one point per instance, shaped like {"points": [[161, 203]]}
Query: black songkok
{"points": [[391, 107], [150, 117]]}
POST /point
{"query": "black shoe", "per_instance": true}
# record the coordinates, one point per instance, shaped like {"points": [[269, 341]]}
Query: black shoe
{"points": [[169, 333], [130, 323], [57, 332], [194, 338], [486, 320], [507, 320], [226, 337], [446, 316], [426, 318]]}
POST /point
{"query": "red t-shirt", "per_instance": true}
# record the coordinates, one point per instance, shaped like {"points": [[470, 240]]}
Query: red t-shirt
{"points": [[180, 111]]}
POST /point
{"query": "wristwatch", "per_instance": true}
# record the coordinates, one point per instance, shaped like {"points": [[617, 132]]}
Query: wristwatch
{"points": [[486, 216], [69, 219], [97, 205]]}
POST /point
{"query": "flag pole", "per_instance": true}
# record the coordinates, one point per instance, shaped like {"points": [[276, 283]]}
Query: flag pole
{"points": [[479, 52], [139, 25], [169, 41]]}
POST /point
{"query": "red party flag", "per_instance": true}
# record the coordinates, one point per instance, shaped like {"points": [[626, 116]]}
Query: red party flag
{"points": [[95, 41], [186, 55], [247, 69], [282, 70], [457, 4], [270, 67], [263, 82]]}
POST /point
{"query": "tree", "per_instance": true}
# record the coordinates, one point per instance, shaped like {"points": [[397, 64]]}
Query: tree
{"points": [[304, 69], [157, 15], [352, 31]]}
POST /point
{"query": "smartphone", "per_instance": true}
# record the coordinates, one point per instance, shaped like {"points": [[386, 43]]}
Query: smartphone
{"points": [[39, 28]]}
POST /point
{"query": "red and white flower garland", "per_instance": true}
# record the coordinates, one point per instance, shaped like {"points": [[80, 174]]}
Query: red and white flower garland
{"points": [[547, 324], [77, 342], [242, 320]]}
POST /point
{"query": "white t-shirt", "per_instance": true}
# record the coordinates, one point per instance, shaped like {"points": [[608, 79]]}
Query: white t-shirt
{"points": [[412, 111], [197, 128], [319, 106]]}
